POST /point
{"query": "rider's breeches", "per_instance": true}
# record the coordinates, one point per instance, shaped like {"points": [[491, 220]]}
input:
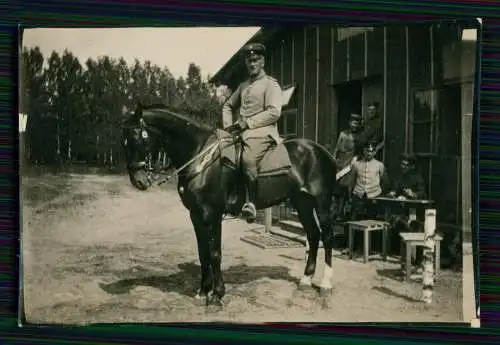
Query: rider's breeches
{"points": [[253, 152]]}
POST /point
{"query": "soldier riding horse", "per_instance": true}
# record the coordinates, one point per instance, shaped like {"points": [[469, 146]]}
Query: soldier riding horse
{"points": [[211, 183]]}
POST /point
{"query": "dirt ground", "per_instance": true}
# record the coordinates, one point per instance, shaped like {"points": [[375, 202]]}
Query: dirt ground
{"points": [[96, 250]]}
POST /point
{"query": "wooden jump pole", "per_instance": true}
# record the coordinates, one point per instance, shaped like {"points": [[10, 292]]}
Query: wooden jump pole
{"points": [[268, 219], [429, 249], [23, 159]]}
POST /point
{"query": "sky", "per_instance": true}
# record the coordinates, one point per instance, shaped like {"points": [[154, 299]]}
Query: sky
{"points": [[175, 48]]}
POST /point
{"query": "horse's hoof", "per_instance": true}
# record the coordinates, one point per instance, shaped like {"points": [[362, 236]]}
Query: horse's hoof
{"points": [[215, 301], [325, 291], [305, 287], [199, 295]]}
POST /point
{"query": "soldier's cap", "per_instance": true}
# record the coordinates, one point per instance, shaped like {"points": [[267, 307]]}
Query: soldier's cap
{"points": [[254, 49], [355, 117], [373, 104], [370, 145], [408, 157]]}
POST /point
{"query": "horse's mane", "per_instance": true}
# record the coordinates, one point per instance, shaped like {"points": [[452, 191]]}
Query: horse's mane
{"points": [[179, 113]]}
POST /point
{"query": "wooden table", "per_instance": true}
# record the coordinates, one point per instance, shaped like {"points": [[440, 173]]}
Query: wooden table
{"points": [[411, 204]]}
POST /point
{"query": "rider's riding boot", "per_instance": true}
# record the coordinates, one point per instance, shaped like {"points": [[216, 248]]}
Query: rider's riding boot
{"points": [[249, 210]]}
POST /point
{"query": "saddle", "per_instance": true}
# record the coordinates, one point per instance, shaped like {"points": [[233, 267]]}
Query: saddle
{"points": [[276, 161]]}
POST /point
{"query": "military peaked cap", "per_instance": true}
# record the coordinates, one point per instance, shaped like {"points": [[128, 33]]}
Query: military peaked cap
{"points": [[408, 157], [254, 49], [356, 117], [371, 145]]}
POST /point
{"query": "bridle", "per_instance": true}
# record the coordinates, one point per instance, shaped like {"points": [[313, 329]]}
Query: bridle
{"points": [[153, 174]]}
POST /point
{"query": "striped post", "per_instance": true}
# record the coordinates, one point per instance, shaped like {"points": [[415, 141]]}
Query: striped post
{"points": [[23, 119], [268, 219], [429, 247]]}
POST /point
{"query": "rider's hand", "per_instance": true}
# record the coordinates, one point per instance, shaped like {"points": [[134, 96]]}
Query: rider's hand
{"points": [[234, 128], [243, 124]]}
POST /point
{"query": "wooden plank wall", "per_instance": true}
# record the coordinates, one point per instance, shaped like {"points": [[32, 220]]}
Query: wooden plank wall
{"points": [[297, 57], [396, 92], [310, 83], [299, 77], [356, 63], [373, 88], [326, 133], [419, 56], [375, 52], [341, 61]]}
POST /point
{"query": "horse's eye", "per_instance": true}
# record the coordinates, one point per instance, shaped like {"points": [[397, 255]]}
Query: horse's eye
{"points": [[144, 134]]}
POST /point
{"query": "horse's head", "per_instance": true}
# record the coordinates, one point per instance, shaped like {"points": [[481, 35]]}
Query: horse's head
{"points": [[135, 141]]}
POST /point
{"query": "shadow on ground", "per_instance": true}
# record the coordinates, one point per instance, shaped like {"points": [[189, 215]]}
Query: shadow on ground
{"points": [[391, 293], [186, 281], [392, 273]]}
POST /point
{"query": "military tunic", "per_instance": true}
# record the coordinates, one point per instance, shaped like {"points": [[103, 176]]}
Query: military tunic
{"points": [[370, 177], [259, 101], [344, 153]]}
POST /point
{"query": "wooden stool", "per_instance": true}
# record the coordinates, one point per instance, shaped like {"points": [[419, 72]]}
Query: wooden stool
{"points": [[367, 226], [411, 240]]}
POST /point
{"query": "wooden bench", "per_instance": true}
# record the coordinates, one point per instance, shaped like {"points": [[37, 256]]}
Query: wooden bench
{"points": [[410, 240], [368, 226]]}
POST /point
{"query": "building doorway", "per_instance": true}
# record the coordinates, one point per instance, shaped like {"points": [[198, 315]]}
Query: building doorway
{"points": [[349, 100]]}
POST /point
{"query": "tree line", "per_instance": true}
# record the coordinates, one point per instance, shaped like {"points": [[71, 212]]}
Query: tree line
{"points": [[75, 111]]}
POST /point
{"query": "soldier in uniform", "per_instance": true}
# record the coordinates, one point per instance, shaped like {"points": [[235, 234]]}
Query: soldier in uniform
{"points": [[344, 153], [373, 130], [259, 101]]}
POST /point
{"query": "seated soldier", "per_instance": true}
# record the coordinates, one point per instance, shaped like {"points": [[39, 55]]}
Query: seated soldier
{"points": [[408, 185]]}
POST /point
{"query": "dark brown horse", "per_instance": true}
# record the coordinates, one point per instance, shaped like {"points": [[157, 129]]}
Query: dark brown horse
{"points": [[210, 185]]}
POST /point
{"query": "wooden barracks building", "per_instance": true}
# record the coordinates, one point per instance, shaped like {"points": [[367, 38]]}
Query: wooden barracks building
{"points": [[422, 76]]}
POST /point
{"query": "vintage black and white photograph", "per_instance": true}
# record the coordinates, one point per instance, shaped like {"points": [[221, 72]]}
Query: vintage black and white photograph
{"points": [[247, 174]]}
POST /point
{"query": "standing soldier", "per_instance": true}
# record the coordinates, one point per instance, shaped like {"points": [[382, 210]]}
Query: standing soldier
{"points": [[373, 129], [259, 101], [344, 153]]}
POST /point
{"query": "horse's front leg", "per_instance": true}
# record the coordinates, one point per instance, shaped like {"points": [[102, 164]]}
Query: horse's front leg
{"points": [[215, 245], [202, 238]]}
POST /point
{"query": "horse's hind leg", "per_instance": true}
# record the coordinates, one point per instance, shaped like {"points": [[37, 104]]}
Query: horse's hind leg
{"points": [[304, 204]]}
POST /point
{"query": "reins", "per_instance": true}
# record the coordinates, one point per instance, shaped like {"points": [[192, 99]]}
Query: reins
{"points": [[210, 147]]}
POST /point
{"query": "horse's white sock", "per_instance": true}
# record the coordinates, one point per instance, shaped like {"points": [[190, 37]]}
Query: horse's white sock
{"points": [[306, 281], [326, 283]]}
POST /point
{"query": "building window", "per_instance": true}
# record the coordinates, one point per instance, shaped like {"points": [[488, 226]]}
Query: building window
{"points": [[423, 122], [345, 33], [287, 125]]}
